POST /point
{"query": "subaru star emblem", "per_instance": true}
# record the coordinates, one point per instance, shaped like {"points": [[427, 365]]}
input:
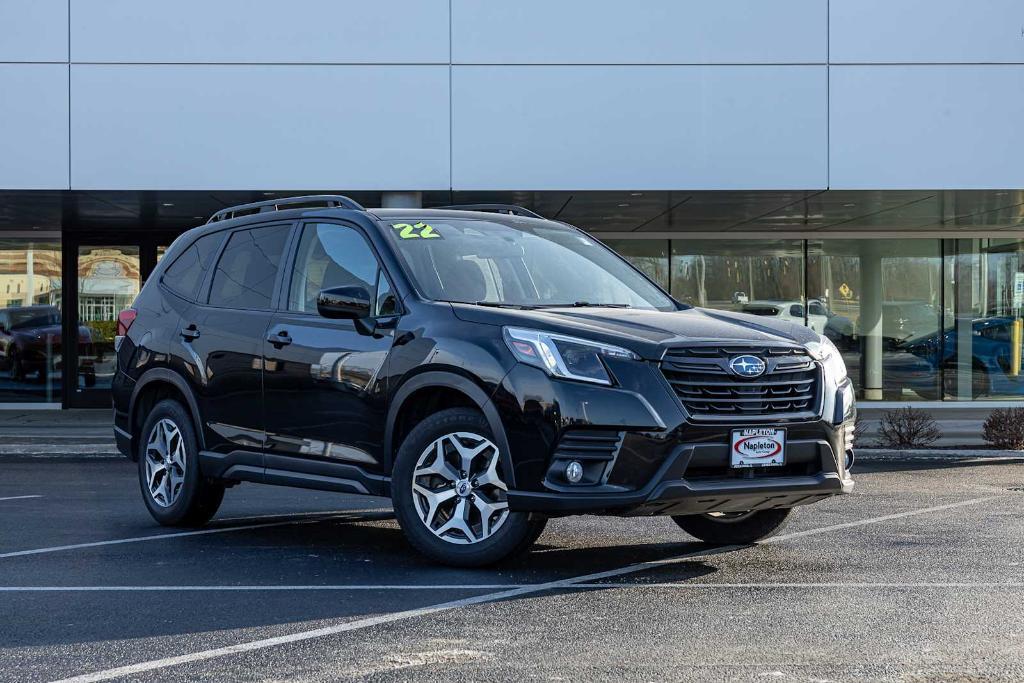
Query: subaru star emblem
{"points": [[747, 366]]}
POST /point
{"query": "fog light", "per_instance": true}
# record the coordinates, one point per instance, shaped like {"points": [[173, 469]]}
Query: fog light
{"points": [[574, 472]]}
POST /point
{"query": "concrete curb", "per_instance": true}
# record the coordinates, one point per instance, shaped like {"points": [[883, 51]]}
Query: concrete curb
{"points": [[935, 453]]}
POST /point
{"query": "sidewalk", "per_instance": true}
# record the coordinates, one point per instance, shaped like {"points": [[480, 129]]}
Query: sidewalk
{"points": [[44, 433]]}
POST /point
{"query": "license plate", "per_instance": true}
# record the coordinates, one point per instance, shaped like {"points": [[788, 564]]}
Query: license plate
{"points": [[758, 447]]}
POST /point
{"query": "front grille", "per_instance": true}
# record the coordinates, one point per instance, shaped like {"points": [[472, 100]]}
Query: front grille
{"points": [[700, 377]]}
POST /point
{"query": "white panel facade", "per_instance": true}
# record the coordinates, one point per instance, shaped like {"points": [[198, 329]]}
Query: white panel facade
{"points": [[260, 31], [33, 30], [245, 127], [33, 126], [924, 31], [649, 32], [658, 127], [920, 127]]}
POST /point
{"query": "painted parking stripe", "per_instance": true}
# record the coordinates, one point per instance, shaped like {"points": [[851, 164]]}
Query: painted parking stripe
{"points": [[985, 585], [19, 497], [573, 582], [180, 534]]}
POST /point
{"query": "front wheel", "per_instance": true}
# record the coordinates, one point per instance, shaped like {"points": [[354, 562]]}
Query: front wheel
{"points": [[734, 528], [450, 495], [174, 490]]}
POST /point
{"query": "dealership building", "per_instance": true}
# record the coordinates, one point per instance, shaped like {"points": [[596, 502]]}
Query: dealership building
{"points": [[852, 165]]}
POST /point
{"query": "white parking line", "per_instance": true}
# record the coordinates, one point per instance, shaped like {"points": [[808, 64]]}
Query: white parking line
{"points": [[179, 534], [573, 582], [312, 587], [19, 497], [502, 586], [866, 584]]}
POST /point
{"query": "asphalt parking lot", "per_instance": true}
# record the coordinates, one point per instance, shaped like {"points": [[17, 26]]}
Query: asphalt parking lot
{"points": [[918, 576]]}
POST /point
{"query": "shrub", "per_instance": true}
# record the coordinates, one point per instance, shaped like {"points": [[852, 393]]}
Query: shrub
{"points": [[1004, 428], [908, 428]]}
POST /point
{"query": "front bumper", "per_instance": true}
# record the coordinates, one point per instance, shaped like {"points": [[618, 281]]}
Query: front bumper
{"points": [[643, 455], [711, 487]]}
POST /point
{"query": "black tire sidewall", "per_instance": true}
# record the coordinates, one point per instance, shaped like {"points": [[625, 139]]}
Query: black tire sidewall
{"points": [[756, 527], [515, 534], [183, 510]]}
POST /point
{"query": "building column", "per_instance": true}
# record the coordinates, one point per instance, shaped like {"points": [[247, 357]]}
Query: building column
{"points": [[401, 200], [871, 319]]}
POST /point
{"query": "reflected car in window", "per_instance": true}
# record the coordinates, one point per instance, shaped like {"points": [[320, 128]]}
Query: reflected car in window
{"points": [[30, 343], [790, 311], [991, 351]]}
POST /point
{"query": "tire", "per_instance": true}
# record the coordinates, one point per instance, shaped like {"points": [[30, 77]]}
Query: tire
{"points": [[741, 529], [428, 515], [188, 499]]}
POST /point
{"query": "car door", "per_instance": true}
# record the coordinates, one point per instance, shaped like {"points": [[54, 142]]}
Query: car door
{"points": [[221, 341], [324, 403]]}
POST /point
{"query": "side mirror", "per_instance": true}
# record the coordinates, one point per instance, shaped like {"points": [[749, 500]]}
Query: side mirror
{"points": [[344, 303]]}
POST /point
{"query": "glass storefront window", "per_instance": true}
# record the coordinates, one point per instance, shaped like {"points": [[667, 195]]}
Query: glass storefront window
{"points": [[30, 321], [108, 282], [763, 277], [883, 302], [982, 340]]}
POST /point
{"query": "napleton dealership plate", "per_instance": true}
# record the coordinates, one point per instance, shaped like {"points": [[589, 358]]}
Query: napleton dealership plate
{"points": [[758, 447]]}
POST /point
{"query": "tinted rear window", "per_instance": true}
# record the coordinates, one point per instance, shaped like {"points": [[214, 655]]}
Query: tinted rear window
{"points": [[247, 269], [184, 276]]}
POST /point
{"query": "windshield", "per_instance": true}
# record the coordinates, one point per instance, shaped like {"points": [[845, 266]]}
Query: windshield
{"points": [[34, 317], [490, 263]]}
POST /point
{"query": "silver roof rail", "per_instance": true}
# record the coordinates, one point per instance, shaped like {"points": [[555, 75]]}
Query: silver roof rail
{"points": [[310, 201]]}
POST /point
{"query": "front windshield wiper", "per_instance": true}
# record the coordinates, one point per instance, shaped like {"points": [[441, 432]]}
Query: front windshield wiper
{"points": [[586, 304], [499, 304]]}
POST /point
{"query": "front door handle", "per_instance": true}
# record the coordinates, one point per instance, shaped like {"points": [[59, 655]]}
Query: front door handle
{"points": [[189, 333], [280, 339]]}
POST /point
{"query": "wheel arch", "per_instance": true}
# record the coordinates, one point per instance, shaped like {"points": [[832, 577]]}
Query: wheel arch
{"points": [[153, 386], [441, 389]]}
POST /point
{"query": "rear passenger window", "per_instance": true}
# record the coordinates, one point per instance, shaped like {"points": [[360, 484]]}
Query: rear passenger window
{"points": [[184, 276], [247, 269], [330, 255]]}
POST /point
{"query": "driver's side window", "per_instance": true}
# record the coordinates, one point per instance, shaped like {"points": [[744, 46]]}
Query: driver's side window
{"points": [[331, 255]]}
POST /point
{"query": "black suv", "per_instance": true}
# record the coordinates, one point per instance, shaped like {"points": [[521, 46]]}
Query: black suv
{"points": [[482, 366]]}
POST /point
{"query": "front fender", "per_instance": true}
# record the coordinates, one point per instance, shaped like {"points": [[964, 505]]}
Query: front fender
{"points": [[449, 380]]}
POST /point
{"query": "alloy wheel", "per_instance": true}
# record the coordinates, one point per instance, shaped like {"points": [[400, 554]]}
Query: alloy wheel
{"points": [[458, 490], [165, 462]]}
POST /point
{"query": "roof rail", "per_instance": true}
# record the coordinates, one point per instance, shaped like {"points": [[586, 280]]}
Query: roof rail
{"points": [[312, 201], [511, 209]]}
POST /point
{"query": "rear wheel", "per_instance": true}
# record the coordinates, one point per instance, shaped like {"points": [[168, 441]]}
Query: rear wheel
{"points": [[450, 494], [734, 528], [173, 488]]}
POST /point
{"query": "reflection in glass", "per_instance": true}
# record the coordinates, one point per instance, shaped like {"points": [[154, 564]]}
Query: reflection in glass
{"points": [[762, 277], [30, 323], [649, 256], [882, 302], [108, 282], [981, 347]]}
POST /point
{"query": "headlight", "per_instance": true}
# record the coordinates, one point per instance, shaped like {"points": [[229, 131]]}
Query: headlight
{"points": [[561, 356], [826, 352]]}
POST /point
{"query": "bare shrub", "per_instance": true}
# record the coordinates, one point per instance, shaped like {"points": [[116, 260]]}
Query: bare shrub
{"points": [[908, 428], [1004, 428]]}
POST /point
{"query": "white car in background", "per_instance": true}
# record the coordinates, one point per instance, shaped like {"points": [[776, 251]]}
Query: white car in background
{"points": [[791, 311]]}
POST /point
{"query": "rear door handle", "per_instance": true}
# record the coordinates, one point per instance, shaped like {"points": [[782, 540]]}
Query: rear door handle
{"points": [[280, 339], [189, 333]]}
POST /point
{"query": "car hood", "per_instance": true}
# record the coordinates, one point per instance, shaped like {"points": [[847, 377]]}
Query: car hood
{"points": [[647, 333]]}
